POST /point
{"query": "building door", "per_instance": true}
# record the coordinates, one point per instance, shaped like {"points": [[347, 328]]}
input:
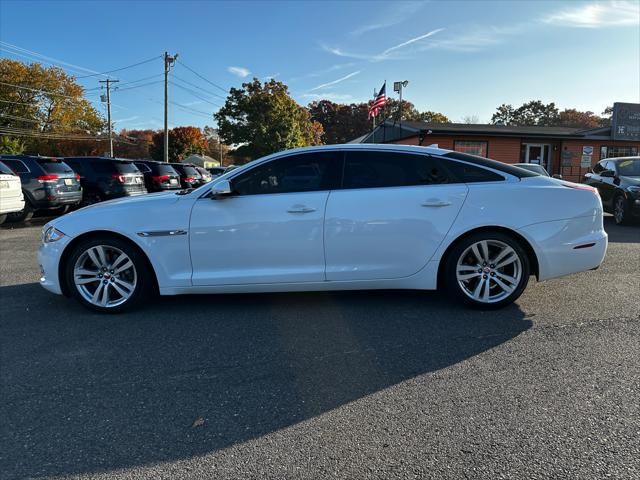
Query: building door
{"points": [[539, 154]]}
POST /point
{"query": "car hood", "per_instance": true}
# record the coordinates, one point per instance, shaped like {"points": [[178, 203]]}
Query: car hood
{"points": [[630, 180], [121, 211]]}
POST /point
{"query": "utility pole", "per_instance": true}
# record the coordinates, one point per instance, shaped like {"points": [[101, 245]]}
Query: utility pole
{"points": [[168, 62], [397, 87], [109, 82]]}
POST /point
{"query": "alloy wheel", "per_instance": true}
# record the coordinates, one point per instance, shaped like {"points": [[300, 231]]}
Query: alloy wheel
{"points": [[488, 271], [105, 276], [618, 210]]}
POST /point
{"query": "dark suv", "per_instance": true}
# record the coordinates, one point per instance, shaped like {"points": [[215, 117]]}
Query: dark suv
{"points": [[189, 176], [618, 181], [47, 183], [104, 178], [158, 176]]}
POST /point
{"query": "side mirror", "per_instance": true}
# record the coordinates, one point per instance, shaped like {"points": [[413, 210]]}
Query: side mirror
{"points": [[558, 176], [220, 189], [608, 173]]}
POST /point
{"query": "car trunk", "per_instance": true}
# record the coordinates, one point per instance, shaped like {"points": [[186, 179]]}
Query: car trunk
{"points": [[58, 177]]}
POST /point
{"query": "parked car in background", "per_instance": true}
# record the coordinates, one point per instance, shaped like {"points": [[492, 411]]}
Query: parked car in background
{"points": [[105, 178], [204, 173], [158, 176], [535, 168], [47, 184], [338, 217], [618, 181], [11, 196], [189, 176], [216, 171]]}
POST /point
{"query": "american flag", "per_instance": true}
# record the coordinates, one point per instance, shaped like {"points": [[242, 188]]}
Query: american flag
{"points": [[379, 102]]}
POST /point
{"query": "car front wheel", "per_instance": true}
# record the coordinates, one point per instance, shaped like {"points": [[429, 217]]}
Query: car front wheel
{"points": [[487, 270], [107, 274], [620, 214]]}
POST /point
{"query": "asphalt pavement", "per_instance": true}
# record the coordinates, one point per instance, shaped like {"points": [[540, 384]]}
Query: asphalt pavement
{"points": [[342, 385]]}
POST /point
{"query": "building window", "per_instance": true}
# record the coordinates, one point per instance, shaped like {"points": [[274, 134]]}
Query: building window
{"points": [[473, 148], [615, 152]]}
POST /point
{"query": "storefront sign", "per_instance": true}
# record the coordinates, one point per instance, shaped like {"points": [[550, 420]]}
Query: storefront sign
{"points": [[587, 150], [625, 121], [567, 158], [585, 161]]}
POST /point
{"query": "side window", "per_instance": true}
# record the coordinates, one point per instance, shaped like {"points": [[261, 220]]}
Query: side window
{"points": [[598, 167], [371, 169], [77, 167], [142, 167], [466, 173], [17, 166], [305, 172]]}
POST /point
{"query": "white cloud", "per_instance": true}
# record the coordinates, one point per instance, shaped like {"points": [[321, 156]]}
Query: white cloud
{"points": [[266, 78], [597, 15], [239, 71], [395, 14], [384, 55], [341, 79], [128, 119]]}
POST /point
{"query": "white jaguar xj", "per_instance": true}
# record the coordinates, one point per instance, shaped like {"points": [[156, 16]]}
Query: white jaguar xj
{"points": [[339, 217]]}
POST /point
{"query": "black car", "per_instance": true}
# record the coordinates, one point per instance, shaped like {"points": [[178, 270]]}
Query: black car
{"points": [[158, 176], [47, 184], [618, 181], [189, 176], [105, 178], [216, 171]]}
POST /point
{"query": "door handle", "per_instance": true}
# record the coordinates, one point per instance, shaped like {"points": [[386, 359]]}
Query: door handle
{"points": [[436, 203], [301, 209]]}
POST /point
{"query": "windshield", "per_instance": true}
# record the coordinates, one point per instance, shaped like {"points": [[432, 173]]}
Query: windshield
{"points": [[629, 168], [165, 169]]}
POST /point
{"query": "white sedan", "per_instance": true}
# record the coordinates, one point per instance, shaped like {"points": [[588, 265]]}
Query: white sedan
{"points": [[340, 217]]}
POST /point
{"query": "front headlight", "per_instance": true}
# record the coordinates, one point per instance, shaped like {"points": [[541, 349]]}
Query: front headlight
{"points": [[51, 234]]}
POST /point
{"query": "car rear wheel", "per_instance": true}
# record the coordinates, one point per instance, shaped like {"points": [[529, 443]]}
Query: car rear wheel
{"points": [[487, 270], [3, 217], [23, 215], [107, 274], [620, 211]]}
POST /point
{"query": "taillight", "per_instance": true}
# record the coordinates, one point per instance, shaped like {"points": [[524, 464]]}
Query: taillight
{"points": [[120, 178], [189, 179], [48, 178], [160, 178], [78, 176], [581, 186]]}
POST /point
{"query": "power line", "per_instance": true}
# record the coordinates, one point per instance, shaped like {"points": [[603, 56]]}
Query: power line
{"points": [[141, 79], [198, 87], [31, 120], [194, 94], [191, 110], [122, 68], [203, 78], [138, 86], [41, 91], [37, 55], [22, 132]]}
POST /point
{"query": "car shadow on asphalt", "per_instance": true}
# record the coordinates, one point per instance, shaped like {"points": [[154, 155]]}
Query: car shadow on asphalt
{"points": [[185, 376], [621, 233]]}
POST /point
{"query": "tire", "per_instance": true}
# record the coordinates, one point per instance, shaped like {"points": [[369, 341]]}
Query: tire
{"points": [[60, 210], [3, 217], [620, 210], [23, 215], [126, 286], [469, 269], [89, 198]]}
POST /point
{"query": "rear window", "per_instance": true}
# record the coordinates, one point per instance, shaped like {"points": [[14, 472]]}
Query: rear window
{"points": [[17, 166], [494, 164], [190, 171], [126, 167], [5, 170], [143, 167], [54, 166], [165, 169]]}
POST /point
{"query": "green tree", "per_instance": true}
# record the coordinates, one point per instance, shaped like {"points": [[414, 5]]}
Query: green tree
{"points": [[183, 141], [41, 100], [263, 118], [11, 145]]}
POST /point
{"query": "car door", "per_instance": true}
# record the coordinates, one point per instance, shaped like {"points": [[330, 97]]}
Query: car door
{"points": [[270, 229], [390, 215], [607, 185]]}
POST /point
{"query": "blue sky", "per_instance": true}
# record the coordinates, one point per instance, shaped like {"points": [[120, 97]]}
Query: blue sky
{"points": [[460, 57]]}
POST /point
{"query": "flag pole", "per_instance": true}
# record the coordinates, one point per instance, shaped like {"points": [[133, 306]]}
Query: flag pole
{"points": [[373, 120]]}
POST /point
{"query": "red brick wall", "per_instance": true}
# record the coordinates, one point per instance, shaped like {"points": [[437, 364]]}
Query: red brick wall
{"points": [[574, 172]]}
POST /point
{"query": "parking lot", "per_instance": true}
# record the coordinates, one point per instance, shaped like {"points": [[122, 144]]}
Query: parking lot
{"points": [[323, 385]]}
